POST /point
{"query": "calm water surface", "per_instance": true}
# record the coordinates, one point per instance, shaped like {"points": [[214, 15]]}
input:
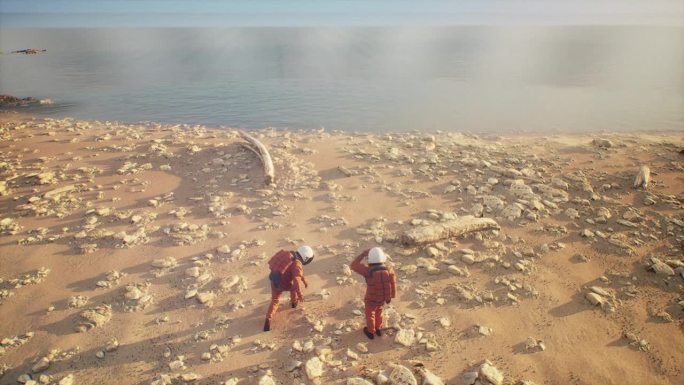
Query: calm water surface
{"points": [[493, 79]]}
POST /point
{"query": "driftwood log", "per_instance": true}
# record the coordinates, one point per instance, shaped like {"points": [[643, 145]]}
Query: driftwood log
{"points": [[453, 228], [262, 152]]}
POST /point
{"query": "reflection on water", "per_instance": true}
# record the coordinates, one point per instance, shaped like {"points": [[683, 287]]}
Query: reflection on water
{"points": [[359, 78]]}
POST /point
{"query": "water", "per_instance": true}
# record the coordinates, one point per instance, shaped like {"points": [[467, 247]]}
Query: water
{"points": [[390, 78]]}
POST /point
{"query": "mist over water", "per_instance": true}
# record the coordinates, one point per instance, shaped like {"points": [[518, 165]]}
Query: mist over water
{"points": [[493, 78]]}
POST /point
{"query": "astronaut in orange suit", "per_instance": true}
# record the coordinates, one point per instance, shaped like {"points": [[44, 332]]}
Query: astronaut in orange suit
{"points": [[381, 287], [287, 274]]}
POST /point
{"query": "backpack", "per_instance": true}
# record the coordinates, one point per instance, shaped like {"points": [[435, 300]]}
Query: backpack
{"points": [[279, 263], [379, 283]]}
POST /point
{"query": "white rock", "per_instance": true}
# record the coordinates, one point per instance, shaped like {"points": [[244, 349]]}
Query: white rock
{"points": [[133, 293], [112, 345], [595, 299], [445, 322], [358, 381], [205, 297], [661, 268], [405, 337], [430, 378], [68, 380], [602, 143], [313, 368], [489, 373], [164, 262], [381, 379], [294, 365], [41, 365], [352, 355], [266, 380], [402, 375], [468, 258], [192, 272]]}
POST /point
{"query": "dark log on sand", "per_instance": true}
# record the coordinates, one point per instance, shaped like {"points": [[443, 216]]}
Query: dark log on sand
{"points": [[262, 152], [453, 228]]}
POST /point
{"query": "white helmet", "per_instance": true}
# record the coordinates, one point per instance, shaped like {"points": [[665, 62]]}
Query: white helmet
{"points": [[306, 254], [376, 255]]}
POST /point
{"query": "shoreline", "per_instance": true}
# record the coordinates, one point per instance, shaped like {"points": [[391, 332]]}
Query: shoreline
{"points": [[158, 203], [11, 114]]}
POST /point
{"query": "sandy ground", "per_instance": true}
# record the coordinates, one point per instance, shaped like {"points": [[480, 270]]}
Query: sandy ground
{"points": [[136, 195]]}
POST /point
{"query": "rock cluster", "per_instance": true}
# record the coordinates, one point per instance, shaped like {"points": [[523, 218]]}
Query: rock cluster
{"points": [[14, 342], [94, 317], [21, 281]]}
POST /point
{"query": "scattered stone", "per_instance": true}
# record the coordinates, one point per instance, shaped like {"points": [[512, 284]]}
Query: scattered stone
{"points": [[112, 345], [429, 378], [602, 143], [595, 299], [9, 226], [137, 297], [94, 317], [444, 322], [165, 263], [266, 379], [112, 279], [77, 301], [532, 344], [313, 368], [193, 272], [661, 268], [402, 375], [41, 365], [206, 298], [358, 381], [177, 364], [14, 342], [67, 380], [489, 373], [405, 337]]}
